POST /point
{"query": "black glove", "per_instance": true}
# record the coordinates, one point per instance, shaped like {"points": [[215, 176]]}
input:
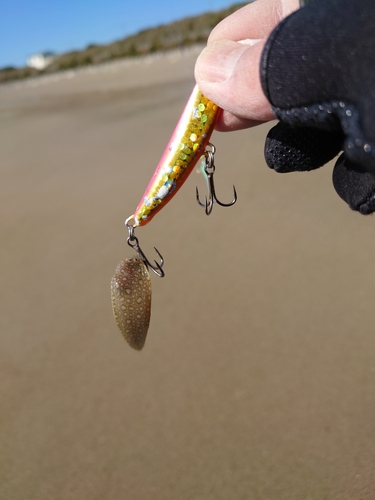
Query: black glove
{"points": [[318, 72]]}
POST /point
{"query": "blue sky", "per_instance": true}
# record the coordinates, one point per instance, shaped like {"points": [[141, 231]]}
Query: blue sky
{"points": [[30, 26]]}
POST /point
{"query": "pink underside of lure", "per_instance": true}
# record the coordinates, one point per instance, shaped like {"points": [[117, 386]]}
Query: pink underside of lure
{"points": [[185, 147]]}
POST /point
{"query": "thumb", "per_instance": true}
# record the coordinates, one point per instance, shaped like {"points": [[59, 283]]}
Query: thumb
{"points": [[228, 73]]}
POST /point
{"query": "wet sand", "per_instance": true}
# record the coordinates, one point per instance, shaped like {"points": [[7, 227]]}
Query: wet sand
{"points": [[257, 380]]}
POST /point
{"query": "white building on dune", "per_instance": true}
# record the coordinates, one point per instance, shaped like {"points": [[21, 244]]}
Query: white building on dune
{"points": [[40, 61]]}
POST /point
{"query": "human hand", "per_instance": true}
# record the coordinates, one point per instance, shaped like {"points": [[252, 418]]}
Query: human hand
{"points": [[317, 72], [227, 70]]}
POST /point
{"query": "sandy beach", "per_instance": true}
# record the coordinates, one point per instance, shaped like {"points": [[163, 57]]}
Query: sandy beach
{"points": [[257, 380]]}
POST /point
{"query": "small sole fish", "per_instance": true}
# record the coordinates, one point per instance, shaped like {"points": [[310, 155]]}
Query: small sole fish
{"points": [[131, 300]]}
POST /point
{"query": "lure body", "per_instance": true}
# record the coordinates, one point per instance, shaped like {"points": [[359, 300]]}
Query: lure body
{"points": [[131, 300], [185, 147]]}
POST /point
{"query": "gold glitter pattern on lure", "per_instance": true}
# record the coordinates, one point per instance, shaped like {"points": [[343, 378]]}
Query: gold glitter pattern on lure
{"points": [[186, 146], [131, 300]]}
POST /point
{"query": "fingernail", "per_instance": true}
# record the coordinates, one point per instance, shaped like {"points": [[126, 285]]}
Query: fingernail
{"points": [[218, 60]]}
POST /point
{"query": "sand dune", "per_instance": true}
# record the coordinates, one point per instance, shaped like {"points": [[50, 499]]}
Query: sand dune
{"points": [[257, 380]]}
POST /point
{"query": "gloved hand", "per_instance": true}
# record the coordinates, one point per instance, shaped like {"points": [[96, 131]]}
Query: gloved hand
{"points": [[318, 73]]}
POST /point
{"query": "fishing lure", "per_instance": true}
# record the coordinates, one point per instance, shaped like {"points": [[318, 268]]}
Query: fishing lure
{"points": [[189, 142], [186, 145]]}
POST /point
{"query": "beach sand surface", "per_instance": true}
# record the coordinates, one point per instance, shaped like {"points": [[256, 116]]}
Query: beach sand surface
{"points": [[257, 380]]}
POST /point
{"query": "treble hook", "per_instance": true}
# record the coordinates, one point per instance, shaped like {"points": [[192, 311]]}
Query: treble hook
{"points": [[210, 170], [133, 242]]}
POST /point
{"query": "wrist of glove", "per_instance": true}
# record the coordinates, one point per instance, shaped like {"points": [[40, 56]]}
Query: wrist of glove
{"points": [[318, 72]]}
